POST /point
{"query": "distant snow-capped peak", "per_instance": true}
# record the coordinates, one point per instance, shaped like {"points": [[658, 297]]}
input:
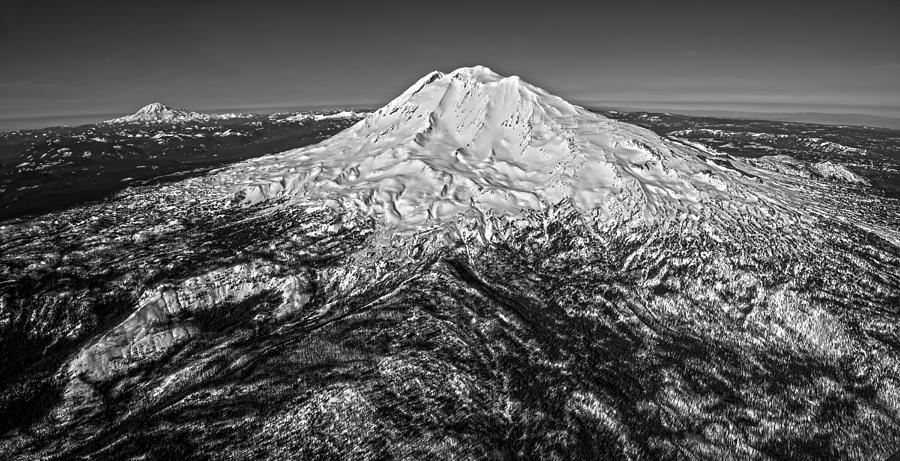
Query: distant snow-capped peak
{"points": [[157, 109], [157, 112], [160, 113]]}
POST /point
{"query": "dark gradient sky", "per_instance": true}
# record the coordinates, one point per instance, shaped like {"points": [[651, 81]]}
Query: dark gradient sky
{"points": [[59, 60]]}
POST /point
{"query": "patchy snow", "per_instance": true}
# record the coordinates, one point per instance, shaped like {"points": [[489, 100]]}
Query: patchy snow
{"points": [[830, 170], [788, 165], [309, 116]]}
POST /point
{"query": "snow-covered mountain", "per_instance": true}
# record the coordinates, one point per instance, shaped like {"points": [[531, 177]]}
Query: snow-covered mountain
{"points": [[474, 144], [160, 113]]}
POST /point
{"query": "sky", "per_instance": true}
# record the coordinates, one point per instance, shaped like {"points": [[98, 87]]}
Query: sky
{"points": [[66, 61]]}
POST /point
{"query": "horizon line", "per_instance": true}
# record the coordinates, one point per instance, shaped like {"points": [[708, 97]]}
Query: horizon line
{"points": [[724, 109]]}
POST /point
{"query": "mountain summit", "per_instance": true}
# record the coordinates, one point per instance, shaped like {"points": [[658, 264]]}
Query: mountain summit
{"points": [[156, 109], [472, 143]]}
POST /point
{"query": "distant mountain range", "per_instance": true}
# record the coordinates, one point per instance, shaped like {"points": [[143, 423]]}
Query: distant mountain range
{"points": [[823, 118], [158, 113]]}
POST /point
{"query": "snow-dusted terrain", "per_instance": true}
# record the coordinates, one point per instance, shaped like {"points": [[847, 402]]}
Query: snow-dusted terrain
{"points": [[306, 116], [479, 269], [51, 168]]}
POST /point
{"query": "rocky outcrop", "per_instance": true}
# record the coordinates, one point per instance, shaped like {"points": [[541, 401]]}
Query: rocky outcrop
{"points": [[163, 316]]}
